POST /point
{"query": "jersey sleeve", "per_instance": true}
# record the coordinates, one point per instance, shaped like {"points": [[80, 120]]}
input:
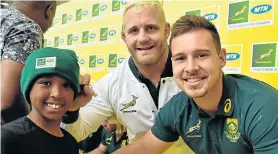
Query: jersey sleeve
{"points": [[21, 40], [103, 137], [262, 124], [164, 126]]}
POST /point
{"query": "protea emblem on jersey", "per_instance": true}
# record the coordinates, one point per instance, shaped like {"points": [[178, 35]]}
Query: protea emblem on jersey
{"points": [[129, 104], [232, 129]]}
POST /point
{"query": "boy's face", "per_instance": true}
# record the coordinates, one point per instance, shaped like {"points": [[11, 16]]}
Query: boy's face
{"points": [[51, 96], [196, 62]]}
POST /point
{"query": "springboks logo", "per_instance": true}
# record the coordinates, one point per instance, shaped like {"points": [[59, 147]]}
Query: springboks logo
{"points": [[129, 104]]}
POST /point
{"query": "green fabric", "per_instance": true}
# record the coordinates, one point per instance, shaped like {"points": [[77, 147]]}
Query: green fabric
{"points": [[50, 61], [246, 121]]}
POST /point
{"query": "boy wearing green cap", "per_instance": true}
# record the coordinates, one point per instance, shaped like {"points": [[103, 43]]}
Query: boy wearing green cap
{"points": [[50, 83]]}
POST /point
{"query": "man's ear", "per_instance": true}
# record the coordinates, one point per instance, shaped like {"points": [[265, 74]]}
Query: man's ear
{"points": [[49, 12], [167, 30], [222, 56], [123, 35]]}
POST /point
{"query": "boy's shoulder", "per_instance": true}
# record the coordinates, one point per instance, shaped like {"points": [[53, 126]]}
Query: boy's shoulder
{"points": [[16, 128]]}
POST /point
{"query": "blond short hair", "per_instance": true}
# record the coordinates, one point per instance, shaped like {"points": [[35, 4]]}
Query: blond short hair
{"points": [[139, 4]]}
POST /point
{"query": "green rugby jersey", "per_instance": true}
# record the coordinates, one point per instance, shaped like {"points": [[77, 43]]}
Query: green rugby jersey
{"points": [[246, 121]]}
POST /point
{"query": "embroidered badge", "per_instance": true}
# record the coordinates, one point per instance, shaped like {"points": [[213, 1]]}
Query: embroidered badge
{"points": [[108, 140], [191, 129], [129, 104], [45, 62], [232, 129]]}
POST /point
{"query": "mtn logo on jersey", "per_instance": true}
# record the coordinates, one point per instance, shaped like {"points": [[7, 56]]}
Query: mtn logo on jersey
{"points": [[129, 104]]}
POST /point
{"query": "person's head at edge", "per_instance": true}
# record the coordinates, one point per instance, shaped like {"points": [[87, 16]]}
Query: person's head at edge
{"points": [[197, 56], [50, 83], [42, 12], [145, 32]]}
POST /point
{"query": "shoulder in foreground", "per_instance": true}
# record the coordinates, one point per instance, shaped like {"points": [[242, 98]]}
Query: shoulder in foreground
{"points": [[250, 85]]}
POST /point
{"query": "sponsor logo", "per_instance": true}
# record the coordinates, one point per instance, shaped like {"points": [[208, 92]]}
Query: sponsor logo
{"points": [[69, 17], [232, 56], [92, 35], [112, 32], [100, 61], [92, 61], [82, 61], [69, 39], [85, 36], [64, 18], [45, 62], [120, 60], [103, 7], [116, 5], [95, 9], [78, 14], [112, 60], [211, 16], [261, 9], [56, 41], [228, 106], [85, 12], [103, 34], [75, 38]]}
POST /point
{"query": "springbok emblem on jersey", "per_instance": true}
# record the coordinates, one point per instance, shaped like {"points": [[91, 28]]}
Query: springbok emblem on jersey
{"points": [[108, 140], [129, 104], [196, 127]]}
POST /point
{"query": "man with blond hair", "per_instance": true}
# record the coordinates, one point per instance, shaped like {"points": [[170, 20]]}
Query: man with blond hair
{"points": [[134, 93]]}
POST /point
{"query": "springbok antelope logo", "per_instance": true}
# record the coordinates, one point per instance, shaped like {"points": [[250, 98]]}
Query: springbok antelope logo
{"points": [[129, 104], [93, 61], [196, 127], [108, 139], [239, 12], [113, 60], [265, 55]]}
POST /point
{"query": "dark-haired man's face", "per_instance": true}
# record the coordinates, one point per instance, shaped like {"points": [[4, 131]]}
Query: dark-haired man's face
{"points": [[196, 62]]}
